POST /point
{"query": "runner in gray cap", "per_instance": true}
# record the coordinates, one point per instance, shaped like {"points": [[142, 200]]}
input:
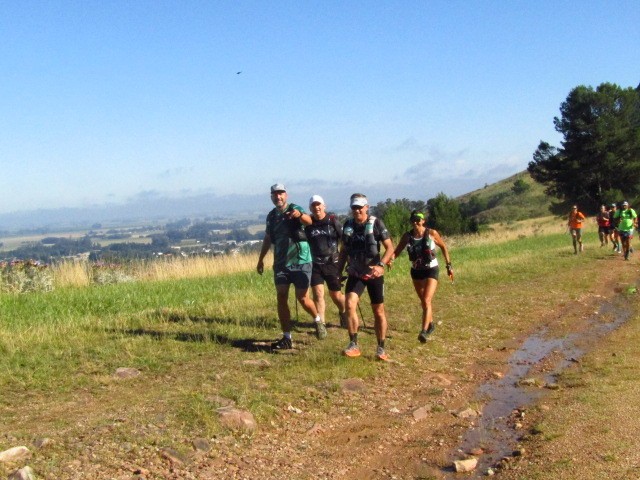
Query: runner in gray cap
{"points": [[291, 261]]}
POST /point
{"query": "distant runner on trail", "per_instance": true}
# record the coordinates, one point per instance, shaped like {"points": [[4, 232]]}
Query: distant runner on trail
{"points": [[575, 228], [291, 261], [613, 231], [324, 236], [627, 220], [604, 225], [361, 238], [421, 243]]}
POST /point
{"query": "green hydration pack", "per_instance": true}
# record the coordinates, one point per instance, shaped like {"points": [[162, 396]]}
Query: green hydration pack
{"points": [[420, 252], [366, 250]]}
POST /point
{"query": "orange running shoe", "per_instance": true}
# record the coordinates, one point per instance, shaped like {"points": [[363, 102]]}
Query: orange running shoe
{"points": [[382, 355], [352, 350]]}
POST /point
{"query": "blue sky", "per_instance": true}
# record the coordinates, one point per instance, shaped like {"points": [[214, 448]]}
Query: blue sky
{"points": [[110, 101]]}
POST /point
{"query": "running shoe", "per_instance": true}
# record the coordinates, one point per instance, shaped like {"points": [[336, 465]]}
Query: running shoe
{"points": [[382, 355], [283, 344], [352, 350], [424, 334], [321, 330]]}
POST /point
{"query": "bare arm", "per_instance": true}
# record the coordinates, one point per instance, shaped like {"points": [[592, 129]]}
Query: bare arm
{"points": [[440, 243], [378, 270], [342, 259], [304, 218], [266, 245], [403, 243]]}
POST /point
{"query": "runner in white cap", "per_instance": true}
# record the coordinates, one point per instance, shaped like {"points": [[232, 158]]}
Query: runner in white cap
{"points": [[324, 236]]}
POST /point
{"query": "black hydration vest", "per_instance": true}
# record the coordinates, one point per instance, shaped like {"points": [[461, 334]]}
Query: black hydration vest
{"points": [[322, 236], [419, 251], [361, 245]]}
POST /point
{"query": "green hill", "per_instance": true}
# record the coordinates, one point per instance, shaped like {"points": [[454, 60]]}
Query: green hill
{"points": [[517, 197]]}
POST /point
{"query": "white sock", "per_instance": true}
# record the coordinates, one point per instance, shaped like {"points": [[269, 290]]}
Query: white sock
{"points": [[318, 319]]}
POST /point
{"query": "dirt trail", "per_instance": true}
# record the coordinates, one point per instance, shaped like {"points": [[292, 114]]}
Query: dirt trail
{"points": [[381, 437], [405, 423]]}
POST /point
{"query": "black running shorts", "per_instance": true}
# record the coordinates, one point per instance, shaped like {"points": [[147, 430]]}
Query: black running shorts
{"points": [[327, 272], [433, 272], [375, 288]]}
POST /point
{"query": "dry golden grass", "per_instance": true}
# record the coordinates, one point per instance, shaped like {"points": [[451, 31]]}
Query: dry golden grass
{"points": [[79, 273], [195, 267], [504, 232], [71, 274]]}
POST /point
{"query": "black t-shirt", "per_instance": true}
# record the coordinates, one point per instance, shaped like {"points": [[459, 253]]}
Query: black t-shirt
{"points": [[323, 237]]}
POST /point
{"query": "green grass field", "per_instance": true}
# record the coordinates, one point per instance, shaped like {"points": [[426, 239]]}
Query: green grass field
{"points": [[191, 338]]}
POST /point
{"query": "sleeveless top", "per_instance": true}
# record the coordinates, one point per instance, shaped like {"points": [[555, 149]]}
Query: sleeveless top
{"points": [[422, 251]]}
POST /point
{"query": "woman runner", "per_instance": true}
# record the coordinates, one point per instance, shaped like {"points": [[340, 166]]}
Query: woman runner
{"points": [[421, 243]]}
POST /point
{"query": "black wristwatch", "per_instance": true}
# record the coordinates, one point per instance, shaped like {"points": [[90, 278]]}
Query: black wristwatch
{"points": [[380, 264]]}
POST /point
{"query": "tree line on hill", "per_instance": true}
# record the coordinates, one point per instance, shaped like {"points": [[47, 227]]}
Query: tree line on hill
{"points": [[598, 161]]}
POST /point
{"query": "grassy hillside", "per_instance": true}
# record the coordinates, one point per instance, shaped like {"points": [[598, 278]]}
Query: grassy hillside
{"points": [[499, 202], [199, 345]]}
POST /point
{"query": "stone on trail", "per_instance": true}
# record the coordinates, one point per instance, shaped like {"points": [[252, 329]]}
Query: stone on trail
{"points": [[260, 363], [467, 465], [527, 382], [420, 413], [201, 444], [235, 419], [354, 385], [127, 372], [172, 455], [43, 442], [467, 413], [15, 454], [25, 473]]}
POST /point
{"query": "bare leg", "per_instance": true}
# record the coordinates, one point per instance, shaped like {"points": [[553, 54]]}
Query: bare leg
{"points": [[426, 289], [318, 298], [380, 321], [284, 314]]}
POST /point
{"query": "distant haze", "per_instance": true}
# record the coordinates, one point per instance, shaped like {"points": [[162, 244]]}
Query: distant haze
{"points": [[155, 207]]}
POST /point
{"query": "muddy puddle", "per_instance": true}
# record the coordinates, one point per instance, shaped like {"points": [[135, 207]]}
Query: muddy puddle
{"points": [[506, 400]]}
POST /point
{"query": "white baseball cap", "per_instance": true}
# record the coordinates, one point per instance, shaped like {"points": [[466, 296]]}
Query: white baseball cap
{"points": [[359, 202], [316, 199]]}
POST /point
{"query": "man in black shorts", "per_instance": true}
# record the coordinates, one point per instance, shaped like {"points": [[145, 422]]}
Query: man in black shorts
{"points": [[324, 236], [361, 238]]}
